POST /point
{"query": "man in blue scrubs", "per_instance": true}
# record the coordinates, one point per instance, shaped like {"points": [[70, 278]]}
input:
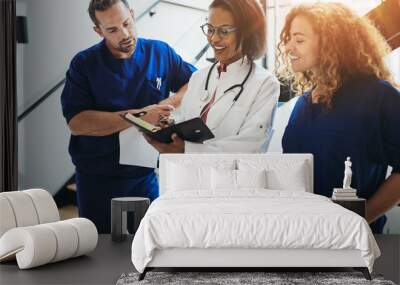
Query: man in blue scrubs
{"points": [[121, 73]]}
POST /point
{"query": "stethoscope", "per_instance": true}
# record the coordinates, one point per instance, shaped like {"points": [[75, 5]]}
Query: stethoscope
{"points": [[207, 96]]}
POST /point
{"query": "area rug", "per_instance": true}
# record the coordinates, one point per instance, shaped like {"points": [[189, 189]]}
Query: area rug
{"points": [[244, 278]]}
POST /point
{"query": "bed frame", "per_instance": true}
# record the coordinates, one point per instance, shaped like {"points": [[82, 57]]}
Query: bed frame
{"points": [[245, 259], [260, 259]]}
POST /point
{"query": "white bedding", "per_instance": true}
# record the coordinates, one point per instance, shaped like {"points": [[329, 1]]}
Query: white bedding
{"points": [[251, 218]]}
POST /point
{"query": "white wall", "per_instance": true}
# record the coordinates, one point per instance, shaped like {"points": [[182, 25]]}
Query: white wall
{"points": [[178, 26], [56, 31], [199, 4], [140, 6], [44, 161]]}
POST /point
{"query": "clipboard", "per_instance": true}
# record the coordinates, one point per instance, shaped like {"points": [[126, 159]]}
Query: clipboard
{"points": [[193, 130]]}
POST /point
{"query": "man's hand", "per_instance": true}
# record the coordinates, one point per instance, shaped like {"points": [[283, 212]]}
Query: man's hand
{"points": [[100, 123], [176, 146], [154, 113], [387, 196]]}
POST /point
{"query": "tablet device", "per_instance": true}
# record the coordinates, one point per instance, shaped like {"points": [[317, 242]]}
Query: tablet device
{"points": [[193, 130]]}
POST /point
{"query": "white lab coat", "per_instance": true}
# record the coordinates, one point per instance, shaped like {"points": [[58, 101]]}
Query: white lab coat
{"points": [[243, 128]]}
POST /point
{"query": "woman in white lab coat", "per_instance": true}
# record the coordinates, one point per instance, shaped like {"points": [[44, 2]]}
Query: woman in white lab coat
{"points": [[235, 97]]}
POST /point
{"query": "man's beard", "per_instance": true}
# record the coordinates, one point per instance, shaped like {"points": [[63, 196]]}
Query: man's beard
{"points": [[129, 49]]}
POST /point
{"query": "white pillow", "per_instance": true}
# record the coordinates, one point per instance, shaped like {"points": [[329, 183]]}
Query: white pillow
{"points": [[236, 179], [223, 179], [193, 175], [184, 177], [292, 179], [251, 178], [280, 174]]}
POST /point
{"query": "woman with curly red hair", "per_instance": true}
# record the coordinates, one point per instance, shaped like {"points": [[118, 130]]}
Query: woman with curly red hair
{"points": [[349, 105]]}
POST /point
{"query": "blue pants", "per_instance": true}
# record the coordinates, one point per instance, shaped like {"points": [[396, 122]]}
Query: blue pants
{"points": [[94, 194]]}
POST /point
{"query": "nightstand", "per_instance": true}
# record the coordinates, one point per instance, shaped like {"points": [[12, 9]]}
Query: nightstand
{"points": [[357, 205], [119, 209]]}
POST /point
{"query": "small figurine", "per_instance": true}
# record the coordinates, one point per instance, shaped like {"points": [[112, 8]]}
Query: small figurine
{"points": [[347, 174]]}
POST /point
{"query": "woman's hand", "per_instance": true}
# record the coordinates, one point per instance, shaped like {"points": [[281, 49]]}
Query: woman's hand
{"points": [[176, 146], [166, 122]]}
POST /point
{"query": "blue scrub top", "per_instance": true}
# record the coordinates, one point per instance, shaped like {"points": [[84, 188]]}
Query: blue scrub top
{"points": [[96, 80], [363, 123]]}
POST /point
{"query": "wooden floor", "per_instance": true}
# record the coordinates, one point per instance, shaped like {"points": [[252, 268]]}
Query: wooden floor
{"points": [[68, 212]]}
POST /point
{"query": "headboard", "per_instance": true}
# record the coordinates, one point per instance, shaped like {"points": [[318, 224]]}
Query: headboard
{"points": [[274, 160]]}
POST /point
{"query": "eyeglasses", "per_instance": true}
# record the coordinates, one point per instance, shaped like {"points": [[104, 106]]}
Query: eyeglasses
{"points": [[223, 31]]}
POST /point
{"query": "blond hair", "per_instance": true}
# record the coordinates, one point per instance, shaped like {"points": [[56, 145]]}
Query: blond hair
{"points": [[349, 46]]}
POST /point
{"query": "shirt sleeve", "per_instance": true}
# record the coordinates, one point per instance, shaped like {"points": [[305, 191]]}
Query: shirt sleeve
{"points": [[76, 96], [180, 71], [390, 127], [255, 133]]}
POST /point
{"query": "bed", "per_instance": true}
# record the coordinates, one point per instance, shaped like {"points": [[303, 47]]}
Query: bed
{"points": [[247, 211]]}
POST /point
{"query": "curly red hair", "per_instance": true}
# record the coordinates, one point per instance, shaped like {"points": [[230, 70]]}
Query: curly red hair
{"points": [[349, 46]]}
